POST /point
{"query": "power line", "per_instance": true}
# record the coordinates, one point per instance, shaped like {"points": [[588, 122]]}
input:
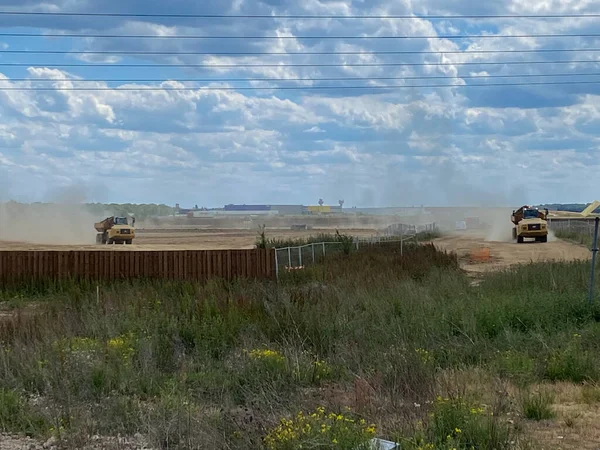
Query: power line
{"points": [[296, 88], [181, 36], [223, 66], [245, 80], [356, 53], [296, 16]]}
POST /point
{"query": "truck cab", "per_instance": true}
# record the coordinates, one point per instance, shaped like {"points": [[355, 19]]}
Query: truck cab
{"points": [[530, 223]]}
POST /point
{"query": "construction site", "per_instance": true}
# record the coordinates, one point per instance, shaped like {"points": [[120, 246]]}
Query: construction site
{"points": [[484, 238]]}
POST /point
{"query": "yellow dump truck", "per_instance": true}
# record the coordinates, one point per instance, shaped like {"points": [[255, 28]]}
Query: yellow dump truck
{"points": [[114, 230], [530, 223]]}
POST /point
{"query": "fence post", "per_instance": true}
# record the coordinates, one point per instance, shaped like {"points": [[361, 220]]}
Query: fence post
{"points": [[290, 257], [401, 246], [313, 251], [276, 265], [356, 244], [594, 253], [323, 250], [300, 255]]}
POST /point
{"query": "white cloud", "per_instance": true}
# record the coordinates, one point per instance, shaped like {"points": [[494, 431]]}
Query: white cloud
{"points": [[214, 146], [314, 129]]}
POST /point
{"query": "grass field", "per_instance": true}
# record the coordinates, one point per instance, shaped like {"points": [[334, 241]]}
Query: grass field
{"points": [[366, 344], [576, 237]]}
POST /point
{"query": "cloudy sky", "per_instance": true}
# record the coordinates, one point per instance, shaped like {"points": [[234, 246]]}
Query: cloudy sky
{"points": [[231, 137]]}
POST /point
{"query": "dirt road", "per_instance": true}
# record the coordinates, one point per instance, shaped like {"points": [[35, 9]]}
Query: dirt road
{"points": [[504, 254], [188, 239]]}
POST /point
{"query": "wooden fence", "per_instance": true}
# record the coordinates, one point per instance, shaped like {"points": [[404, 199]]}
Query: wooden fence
{"points": [[111, 265]]}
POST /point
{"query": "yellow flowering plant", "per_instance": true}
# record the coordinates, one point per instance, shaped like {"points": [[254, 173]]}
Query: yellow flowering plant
{"points": [[121, 348], [320, 429], [268, 362]]}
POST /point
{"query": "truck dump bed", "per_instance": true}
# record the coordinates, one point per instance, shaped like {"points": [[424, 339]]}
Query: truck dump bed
{"points": [[106, 224]]}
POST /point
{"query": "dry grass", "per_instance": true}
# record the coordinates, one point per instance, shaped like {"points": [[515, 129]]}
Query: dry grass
{"points": [[372, 335]]}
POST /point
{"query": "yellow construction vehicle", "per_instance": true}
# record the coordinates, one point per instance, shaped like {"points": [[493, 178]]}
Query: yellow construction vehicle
{"points": [[530, 223], [114, 230]]}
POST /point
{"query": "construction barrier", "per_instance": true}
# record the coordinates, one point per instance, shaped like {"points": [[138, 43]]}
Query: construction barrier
{"points": [[112, 265]]}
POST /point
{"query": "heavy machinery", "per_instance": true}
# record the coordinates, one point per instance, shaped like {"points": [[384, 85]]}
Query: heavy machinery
{"points": [[530, 222], [114, 230]]}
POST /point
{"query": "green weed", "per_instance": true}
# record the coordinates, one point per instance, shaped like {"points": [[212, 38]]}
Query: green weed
{"points": [[538, 406], [456, 424], [17, 416]]}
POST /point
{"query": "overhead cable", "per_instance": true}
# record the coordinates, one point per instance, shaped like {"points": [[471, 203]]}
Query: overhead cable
{"points": [[338, 65], [319, 37], [294, 88], [297, 16], [247, 80]]}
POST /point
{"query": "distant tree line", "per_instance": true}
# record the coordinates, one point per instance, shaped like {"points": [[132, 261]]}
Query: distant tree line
{"points": [[141, 212], [99, 210]]}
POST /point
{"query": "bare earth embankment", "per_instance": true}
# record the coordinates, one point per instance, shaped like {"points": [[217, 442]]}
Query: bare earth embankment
{"points": [[505, 254]]}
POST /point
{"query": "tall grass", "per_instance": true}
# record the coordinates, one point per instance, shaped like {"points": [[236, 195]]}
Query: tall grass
{"points": [[263, 241], [576, 237], [218, 365]]}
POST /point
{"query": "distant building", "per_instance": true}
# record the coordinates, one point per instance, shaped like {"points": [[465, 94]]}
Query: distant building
{"points": [[231, 207], [289, 210]]}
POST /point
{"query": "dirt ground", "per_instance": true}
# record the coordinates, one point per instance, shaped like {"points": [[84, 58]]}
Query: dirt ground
{"points": [[189, 239], [505, 254]]}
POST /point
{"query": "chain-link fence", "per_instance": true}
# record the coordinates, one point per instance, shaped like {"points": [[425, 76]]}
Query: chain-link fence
{"points": [[575, 226], [297, 258]]}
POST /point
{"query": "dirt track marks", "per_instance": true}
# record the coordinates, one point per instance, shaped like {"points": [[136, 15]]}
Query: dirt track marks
{"points": [[506, 254], [210, 239]]}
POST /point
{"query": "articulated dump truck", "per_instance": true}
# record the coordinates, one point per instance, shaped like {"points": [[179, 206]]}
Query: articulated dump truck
{"points": [[530, 223], [114, 230]]}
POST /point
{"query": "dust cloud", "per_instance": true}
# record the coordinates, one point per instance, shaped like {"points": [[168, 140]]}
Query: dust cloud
{"points": [[43, 223], [498, 226], [63, 220]]}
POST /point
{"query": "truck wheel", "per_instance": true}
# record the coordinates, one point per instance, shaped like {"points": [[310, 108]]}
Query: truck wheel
{"points": [[128, 241], [544, 238], [110, 242], [520, 239]]}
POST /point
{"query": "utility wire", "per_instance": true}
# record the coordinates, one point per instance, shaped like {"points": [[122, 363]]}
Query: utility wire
{"points": [[182, 36], [245, 80], [296, 16], [296, 88], [356, 53], [222, 66]]}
